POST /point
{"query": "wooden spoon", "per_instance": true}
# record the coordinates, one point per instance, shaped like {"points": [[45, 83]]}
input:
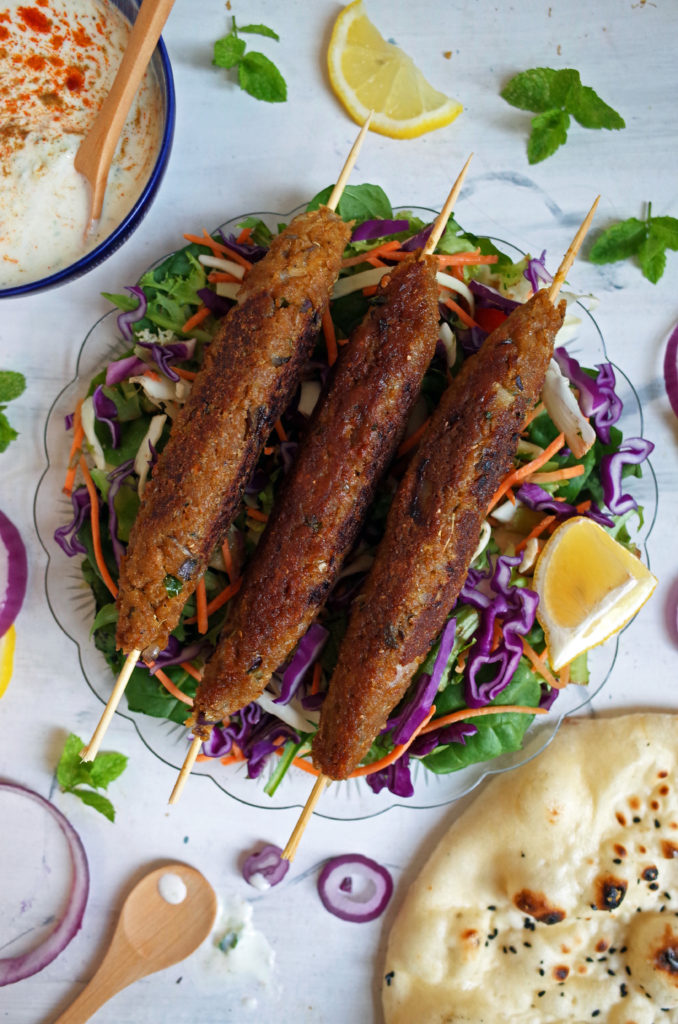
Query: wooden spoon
{"points": [[96, 150], [152, 933]]}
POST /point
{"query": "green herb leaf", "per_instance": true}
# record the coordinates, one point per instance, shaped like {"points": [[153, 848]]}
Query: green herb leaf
{"points": [[590, 111], [541, 89], [647, 239], [358, 203], [97, 801], [619, 241], [260, 77], [7, 433], [549, 131], [71, 770], [106, 767], [12, 384], [173, 586], [228, 51], [260, 30], [652, 256], [666, 228]]}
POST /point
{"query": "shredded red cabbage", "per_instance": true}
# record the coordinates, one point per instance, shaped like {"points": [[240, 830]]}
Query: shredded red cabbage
{"points": [[378, 228], [308, 649], [263, 741], [536, 272], [218, 304], [491, 297], [417, 708], [394, 777], [671, 369], [541, 500], [165, 355], [116, 479], [67, 536], [106, 412], [457, 732], [516, 608], [249, 250], [125, 320], [597, 397], [175, 653], [632, 452], [121, 369], [417, 241]]}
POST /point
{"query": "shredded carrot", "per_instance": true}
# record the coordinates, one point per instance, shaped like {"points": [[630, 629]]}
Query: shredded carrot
{"points": [[299, 762], [518, 475], [218, 248], [203, 757], [461, 313], [187, 667], [244, 236], [186, 374], [217, 602], [268, 450], [257, 515], [228, 560], [374, 261], [494, 709], [76, 449], [497, 634], [201, 605], [567, 473], [235, 755], [370, 291], [196, 319], [317, 675], [475, 258], [151, 374], [537, 411], [330, 337], [171, 688], [398, 751], [96, 533], [536, 531], [280, 430], [413, 440], [539, 663], [380, 250], [564, 676], [584, 506], [222, 275]]}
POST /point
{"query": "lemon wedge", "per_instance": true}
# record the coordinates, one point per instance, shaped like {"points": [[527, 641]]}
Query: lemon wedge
{"points": [[589, 586], [7, 642], [369, 74]]}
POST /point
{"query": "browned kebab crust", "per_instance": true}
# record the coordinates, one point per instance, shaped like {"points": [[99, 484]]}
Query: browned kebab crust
{"points": [[249, 373], [432, 531], [353, 435]]}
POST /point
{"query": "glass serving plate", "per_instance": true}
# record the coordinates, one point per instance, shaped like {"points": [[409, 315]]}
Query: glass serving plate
{"points": [[72, 603]]}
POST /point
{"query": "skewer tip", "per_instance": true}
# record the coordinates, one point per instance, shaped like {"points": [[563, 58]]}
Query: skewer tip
{"points": [[335, 196], [444, 215], [569, 257]]}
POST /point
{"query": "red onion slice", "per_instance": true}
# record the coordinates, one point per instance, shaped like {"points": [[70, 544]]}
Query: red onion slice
{"points": [[355, 888], [671, 369], [18, 967], [15, 575], [265, 868]]}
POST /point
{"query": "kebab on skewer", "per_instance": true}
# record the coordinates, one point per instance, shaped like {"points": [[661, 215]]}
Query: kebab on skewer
{"points": [[249, 375], [353, 436], [432, 531]]}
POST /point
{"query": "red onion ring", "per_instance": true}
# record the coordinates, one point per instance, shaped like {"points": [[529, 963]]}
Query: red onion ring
{"points": [[268, 863], [18, 967], [671, 369], [17, 573], [350, 902]]}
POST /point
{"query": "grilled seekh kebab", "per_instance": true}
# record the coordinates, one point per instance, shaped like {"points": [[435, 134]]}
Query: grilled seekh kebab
{"points": [[353, 435], [432, 531], [249, 375]]}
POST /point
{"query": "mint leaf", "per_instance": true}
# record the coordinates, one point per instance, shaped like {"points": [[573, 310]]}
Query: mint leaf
{"points": [[106, 768], [358, 202], [590, 111], [12, 384], [97, 801], [228, 51], [7, 433], [260, 77], [549, 131], [652, 256], [71, 770], [619, 241], [540, 89], [667, 229], [261, 30]]}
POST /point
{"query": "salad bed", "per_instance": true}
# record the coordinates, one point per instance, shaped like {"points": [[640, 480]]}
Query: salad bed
{"points": [[491, 651]]}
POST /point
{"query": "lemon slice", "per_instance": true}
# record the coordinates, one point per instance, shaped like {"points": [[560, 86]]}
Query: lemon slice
{"points": [[367, 73], [7, 642], [589, 586]]}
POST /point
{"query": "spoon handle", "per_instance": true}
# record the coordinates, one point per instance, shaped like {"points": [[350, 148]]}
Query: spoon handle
{"points": [[95, 152], [119, 968]]}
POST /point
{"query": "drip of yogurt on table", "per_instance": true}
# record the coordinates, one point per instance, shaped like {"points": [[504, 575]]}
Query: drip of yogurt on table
{"points": [[58, 59]]}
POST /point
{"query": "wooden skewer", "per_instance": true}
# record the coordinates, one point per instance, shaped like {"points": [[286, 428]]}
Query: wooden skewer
{"points": [[331, 204], [444, 215], [89, 752], [568, 259]]}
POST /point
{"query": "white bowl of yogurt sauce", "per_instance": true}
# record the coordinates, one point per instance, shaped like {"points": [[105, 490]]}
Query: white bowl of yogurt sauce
{"points": [[58, 59]]}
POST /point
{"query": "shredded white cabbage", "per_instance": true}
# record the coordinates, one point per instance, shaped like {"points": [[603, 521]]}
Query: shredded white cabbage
{"points": [[228, 266], [310, 393], [144, 456], [455, 285], [446, 335], [88, 420], [295, 716], [564, 410]]}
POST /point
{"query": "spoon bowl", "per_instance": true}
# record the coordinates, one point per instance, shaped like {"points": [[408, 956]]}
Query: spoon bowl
{"points": [[164, 919]]}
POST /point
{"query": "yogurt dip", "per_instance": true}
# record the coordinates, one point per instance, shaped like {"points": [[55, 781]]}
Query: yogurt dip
{"points": [[58, 59]]}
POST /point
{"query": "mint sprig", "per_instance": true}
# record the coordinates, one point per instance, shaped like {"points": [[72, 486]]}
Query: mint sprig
{"points": [[257, 75], [73, 775], [12, 384], [555, 96], [647, 239]]}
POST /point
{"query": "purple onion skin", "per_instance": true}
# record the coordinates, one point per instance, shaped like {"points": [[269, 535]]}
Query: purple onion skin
{"points": [[267, 862], [337, 891], [17, 573]]}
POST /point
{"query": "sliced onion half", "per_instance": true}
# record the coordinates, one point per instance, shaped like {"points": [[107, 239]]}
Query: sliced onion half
{"points": [[13, 572], [355, 888], [18, 967], [671, 369]]}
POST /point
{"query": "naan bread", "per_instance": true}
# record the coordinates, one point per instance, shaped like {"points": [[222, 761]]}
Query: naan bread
{"points": [[554, 897]]}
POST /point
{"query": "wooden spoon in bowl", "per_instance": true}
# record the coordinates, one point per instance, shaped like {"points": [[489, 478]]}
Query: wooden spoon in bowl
{"points": [[164, 919], [95, 153]]}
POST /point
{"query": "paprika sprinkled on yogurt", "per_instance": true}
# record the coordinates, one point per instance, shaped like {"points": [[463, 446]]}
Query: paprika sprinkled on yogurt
{"points": [[58, 59]]}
